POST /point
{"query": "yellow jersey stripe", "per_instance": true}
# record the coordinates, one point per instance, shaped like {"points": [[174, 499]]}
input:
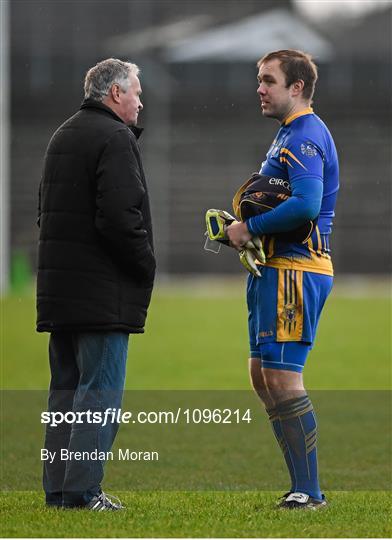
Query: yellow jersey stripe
{"points": [[287, 151], [319, 246], [315, 264], [284, 160]]}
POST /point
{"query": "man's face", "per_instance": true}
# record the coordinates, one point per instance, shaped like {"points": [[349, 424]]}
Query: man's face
{"points": [[276, 100], [130, 104]]}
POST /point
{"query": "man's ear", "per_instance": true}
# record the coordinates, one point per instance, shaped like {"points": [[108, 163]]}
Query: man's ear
{"points": [[297, 87], [115, 93]]}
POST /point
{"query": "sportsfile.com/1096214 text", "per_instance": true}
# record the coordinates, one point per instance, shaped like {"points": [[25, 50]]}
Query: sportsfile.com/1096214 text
{"points": [[176, 416]]}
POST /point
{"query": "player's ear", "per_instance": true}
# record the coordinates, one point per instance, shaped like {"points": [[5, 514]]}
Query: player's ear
{"points": [[297, 87]]}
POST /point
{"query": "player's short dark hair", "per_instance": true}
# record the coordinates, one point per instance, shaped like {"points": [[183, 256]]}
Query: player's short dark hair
{"points": [[295, 65]]}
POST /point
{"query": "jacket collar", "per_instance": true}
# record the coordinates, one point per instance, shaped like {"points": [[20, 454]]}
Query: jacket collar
{"points": [[93, 104]]}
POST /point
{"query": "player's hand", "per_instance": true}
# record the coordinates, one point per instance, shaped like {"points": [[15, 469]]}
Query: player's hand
{"points": [[238, 234]]}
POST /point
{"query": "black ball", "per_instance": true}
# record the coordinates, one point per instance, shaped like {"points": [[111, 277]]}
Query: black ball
{"points": [[265, 193]]}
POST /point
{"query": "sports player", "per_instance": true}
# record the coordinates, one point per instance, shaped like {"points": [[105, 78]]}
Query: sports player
{"points": [[286, 302]]}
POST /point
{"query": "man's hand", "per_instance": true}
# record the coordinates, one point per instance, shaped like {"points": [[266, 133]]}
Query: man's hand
{"points": [[238, 234], [223, 228]]}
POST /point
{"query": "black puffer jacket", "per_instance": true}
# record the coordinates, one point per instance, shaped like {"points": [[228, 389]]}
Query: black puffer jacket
{"points": [[96, 263]]}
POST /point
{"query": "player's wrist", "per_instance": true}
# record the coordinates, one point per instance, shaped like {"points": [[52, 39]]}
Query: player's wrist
{"points": [[252, 226]]}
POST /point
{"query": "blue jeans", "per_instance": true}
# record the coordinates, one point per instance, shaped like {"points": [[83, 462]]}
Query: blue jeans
{"points": [[87, 373]]}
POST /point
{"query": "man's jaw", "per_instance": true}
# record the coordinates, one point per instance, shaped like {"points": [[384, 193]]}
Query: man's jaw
{"points": [[265, 109], [269, 112]]}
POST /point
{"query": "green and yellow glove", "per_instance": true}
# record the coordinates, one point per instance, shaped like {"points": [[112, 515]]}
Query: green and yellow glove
{"points": [[216, 222], [252, 252]]}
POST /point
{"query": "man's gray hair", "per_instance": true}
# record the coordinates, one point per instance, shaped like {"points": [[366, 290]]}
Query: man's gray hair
{"points": [[100, 78]]}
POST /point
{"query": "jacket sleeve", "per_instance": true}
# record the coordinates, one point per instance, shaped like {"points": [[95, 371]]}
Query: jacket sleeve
{"points": [[39, 205], [119, 197]]}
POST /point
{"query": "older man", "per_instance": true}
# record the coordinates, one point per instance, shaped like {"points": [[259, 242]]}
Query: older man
{"points": [[96, 270]]}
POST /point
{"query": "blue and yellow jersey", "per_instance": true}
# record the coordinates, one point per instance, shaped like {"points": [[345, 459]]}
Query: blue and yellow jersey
{"points": [[304, 150]]}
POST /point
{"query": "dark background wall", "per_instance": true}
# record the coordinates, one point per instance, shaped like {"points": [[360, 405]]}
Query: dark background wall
{"points": [[204, 130]]}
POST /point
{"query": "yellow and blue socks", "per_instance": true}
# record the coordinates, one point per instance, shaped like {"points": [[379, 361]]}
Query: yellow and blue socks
{"points": [[294, 424]]}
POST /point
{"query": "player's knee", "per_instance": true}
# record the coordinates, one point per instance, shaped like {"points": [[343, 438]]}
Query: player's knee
{"points": [[272, 378], [283, 383]]}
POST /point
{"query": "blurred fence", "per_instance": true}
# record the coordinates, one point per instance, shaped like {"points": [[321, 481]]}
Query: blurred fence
{"points": [[204, 130]]}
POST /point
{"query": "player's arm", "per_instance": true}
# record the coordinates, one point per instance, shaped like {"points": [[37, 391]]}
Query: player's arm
{"points": [[304, 162], [303, 205]]}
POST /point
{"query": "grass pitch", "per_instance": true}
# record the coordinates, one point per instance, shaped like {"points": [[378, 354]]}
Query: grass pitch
{"points": [[197, 339], [201, 515]]}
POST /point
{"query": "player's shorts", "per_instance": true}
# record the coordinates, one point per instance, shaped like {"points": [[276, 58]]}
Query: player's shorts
{"points": [[284, 310]]}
